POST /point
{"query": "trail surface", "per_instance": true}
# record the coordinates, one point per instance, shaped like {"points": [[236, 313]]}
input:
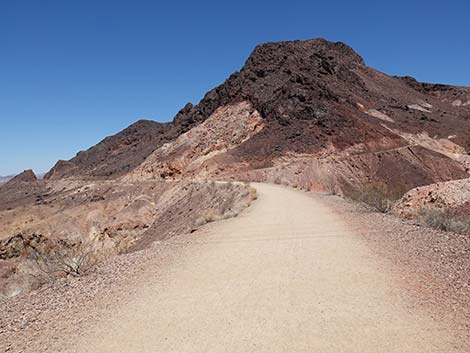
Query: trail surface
{"points": [[285, 276]]}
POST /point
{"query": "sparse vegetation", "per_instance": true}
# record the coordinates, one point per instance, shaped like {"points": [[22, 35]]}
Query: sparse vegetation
{"points": [[328, 181], [253, 194], [70, 259], [378, 197], [229, 207], [445, 220], [45, 260], [212, 215]]}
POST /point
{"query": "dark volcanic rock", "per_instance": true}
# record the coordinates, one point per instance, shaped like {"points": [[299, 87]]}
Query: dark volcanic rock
{"points": [[308, 91]]}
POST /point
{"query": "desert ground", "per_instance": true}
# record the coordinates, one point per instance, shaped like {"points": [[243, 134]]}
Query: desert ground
{"points": [[293, 272]]}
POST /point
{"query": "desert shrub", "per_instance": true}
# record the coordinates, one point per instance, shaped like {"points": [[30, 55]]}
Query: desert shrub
{"points": [[213, 215], [48, 260], [444, 219], [329, 182], [378, 197], [74, 259]]}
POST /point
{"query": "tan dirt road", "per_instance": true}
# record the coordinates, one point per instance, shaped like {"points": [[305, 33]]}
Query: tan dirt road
{"points": [[285, 276]]}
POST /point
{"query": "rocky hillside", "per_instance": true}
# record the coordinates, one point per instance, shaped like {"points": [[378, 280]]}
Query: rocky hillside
{"points": [[317, 101], [117, 154], [43, 236]]}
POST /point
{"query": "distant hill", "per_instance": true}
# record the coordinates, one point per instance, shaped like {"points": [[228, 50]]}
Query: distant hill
{"points": [[4, 179]]}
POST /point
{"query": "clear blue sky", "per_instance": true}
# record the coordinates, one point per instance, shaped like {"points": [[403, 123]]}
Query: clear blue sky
{"points": [[73, 72]]}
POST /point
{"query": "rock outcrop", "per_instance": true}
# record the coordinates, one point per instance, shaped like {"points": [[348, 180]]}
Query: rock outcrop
{"points": [[452, 196]]}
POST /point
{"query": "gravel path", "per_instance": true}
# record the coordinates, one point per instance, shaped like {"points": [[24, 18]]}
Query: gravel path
{"points": [[287, 275]]}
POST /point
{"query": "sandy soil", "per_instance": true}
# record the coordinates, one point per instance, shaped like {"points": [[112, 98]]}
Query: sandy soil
{"points": [[285, 276]]}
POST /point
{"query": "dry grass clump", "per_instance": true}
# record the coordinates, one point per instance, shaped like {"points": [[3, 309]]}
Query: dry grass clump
{"points": [[378, 197], [445, 220], [210, 215], [329, 181], [48, 260], [233, 199], [64, 258], [253, 194]]}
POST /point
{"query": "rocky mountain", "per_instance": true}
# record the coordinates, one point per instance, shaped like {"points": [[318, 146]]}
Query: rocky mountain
{"points": [[319, 105]]}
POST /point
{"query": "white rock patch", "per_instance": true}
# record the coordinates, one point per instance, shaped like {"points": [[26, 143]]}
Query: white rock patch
{"points": [[418, 107], [425, 105], [379, 115]]}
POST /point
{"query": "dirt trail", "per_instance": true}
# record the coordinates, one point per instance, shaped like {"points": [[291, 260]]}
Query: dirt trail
{"points": [[285, 276]]}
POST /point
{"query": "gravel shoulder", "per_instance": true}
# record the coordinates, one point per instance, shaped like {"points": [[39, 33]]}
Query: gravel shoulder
{"points": [[287, 275], [432, 266]]}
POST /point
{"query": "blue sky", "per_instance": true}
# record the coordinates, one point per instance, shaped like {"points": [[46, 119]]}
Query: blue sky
{"points": [[73, 72]]}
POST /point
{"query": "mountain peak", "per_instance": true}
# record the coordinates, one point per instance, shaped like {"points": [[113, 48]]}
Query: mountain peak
{"points": [[27, 176], [306, 52]]}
